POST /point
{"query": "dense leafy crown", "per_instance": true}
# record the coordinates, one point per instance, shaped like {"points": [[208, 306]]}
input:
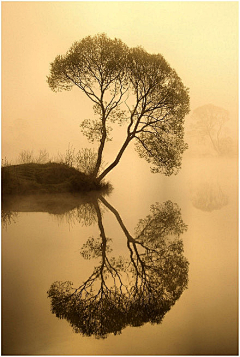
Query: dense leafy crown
{"points": [[137, 287], [128, 85]]}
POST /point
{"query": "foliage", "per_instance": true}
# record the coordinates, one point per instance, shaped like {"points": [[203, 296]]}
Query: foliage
{"points": [[208, 196], [165, 219], [5, 162], [86, 160], [83, 160], [93, 248], [208, 126], [127, 291], [127, 85], [43, 157], [36, 178], [69, 157], [28, 157], [8, 217], [72, 208]]}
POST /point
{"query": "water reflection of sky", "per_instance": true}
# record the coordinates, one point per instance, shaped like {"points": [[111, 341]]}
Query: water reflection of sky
{"points": [[39, 249]]}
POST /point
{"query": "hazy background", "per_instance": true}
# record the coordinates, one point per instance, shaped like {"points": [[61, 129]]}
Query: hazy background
{"points": [[198, 39]]}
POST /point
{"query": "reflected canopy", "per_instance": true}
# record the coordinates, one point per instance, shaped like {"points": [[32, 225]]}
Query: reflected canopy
{"points": [[208, 196], [127, 290], [132, 289]]}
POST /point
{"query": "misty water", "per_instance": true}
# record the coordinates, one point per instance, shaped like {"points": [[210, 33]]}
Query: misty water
{"points": [[42, 242]]}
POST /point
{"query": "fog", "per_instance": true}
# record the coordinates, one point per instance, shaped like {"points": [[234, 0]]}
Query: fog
{"points": [[43, 236], [198, 39], [42, 240]]}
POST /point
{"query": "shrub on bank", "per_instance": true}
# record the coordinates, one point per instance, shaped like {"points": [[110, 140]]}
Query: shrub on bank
{"points": [[51, 177]]}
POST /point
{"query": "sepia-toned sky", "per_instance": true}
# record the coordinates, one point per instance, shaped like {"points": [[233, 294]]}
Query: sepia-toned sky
{"points": [[198, 39]]}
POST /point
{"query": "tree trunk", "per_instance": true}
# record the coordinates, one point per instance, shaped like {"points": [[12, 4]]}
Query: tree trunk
{"points": [[116, 161], [117, 215], [102, 141]]}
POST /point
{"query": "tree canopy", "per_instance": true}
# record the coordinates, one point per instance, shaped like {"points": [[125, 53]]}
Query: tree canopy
{"points": [[208, 196], [131, 86], [128, 290], [208, 126]]}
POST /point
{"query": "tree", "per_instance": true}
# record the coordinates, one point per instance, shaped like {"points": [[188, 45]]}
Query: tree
{"points": [[208, 126], [127, 85], [127, 291], [208, 196]]}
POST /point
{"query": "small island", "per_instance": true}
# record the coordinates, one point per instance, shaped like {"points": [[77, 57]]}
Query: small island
{"points": [[32, 178]]}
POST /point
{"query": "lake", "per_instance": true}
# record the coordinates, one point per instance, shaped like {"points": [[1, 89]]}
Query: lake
{"points": [[153, 266]]}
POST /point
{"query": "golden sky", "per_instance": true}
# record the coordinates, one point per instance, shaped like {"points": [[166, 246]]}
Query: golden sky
{"points": [[198, 39]]}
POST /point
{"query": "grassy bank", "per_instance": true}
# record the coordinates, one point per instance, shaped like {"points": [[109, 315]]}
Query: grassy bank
{"points": [[32, 178]]}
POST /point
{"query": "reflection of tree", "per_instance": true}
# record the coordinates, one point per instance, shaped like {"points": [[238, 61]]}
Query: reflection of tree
{"points": [[129, 290], [208, 127], [72, 208], [8, 217], [208, 197], [83, 213]]}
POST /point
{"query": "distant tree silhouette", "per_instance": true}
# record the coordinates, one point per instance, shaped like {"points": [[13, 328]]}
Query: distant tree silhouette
{"points": [[127, 291], [208, 196], [208, 125], [127, 85]]}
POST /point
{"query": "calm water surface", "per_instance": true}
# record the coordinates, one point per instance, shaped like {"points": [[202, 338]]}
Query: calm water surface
{"points": [[47, 241]]}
